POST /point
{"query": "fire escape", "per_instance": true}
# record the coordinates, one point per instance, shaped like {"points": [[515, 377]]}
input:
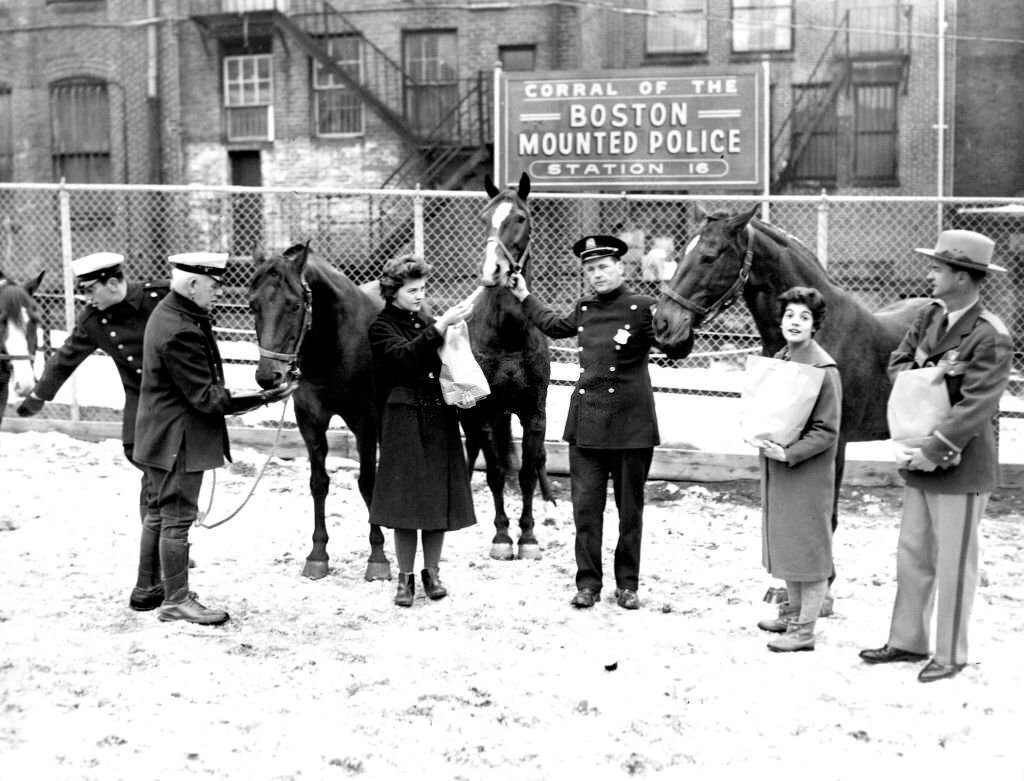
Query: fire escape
{"points": [[441, 156], [869, 45]]}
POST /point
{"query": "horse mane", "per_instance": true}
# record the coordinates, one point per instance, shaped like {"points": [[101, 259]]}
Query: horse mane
{"points": [[788, 241]]}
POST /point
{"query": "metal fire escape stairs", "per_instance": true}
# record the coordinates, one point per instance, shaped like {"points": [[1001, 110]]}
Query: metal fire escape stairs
{"points": [[845, 59]]}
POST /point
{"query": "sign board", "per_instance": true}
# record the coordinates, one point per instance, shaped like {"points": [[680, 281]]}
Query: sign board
{"points": [[632, 130]]}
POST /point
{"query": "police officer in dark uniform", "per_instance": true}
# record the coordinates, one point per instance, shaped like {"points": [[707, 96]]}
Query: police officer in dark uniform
{"points": [[611, 427], [180, 431], [114, 321]]}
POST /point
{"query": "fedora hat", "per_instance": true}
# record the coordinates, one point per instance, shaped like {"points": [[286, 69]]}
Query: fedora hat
{"points": [[593, 247], [963, 249]]}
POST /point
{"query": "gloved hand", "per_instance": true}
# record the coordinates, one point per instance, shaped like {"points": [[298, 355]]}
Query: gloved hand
{"points": [[29, 406]]}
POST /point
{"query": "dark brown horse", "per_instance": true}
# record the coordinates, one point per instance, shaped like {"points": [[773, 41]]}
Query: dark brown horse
{"points": [[313, 321], [738, 255], [516, 360], [19, 336]]}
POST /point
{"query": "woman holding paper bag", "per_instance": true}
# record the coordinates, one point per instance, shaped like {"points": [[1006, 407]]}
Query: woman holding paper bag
{"points": [[797, 482], [422, 481]]}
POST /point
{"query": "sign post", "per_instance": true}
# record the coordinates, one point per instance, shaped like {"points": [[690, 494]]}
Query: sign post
{"points": [[656, 129]]}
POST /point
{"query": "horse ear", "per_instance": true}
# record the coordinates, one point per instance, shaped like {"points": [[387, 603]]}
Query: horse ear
{"points": [[32, 285], [739, 221], [699, 214], [298, 254], [259, 254], [489, 187], [524, 185]]}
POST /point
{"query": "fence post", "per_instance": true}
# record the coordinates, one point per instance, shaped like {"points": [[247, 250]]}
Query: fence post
{"points": [[64, 200], [823, 208], [417, 218]]}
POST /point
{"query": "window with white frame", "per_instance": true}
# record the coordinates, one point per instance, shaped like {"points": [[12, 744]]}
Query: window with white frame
{"points": [[876, 134], [248, 97], [762, 25], [338, 109], [677, 27]]}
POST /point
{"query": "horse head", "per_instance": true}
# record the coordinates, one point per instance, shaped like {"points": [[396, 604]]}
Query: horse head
{"points": [[20, 318], [507, 217], [714, 269], [282, 308]]}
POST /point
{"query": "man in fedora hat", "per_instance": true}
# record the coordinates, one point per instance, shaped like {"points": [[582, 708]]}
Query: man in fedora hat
{"points": [[611, 427], [113, 320], [950, 477], [180, 431]]}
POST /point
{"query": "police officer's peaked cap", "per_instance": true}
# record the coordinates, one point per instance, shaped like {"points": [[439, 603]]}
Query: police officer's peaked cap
{"points": [[593, 247], [97, 266], [212, 264]]}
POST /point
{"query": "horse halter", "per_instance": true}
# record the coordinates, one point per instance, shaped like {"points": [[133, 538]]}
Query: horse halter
{"points": [[6, 356], [515, 265], [292, 358], [728, 298]]}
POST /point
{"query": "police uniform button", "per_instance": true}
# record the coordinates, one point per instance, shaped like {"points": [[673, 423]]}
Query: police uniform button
{"points": [[430, 375], [582, 391], [153, 295], [579, 328], [618, 347], [626, 326], [138, 371], [611, 390], [417, 324], [131, 357], [611, 368], [632, 306], [120, 347], [583, 308], [103, 320], [579, 349], [113, 334]]}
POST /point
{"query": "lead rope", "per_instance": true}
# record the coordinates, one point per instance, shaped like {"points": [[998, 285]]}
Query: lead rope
{"points": [[201, 519]]}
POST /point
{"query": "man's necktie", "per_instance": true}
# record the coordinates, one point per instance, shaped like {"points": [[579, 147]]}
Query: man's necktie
{"points": [[943, 327]]}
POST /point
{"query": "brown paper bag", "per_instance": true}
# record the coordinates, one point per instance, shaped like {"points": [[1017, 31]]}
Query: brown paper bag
{"points": [[917, 404], [462, 379], [777, 399]]}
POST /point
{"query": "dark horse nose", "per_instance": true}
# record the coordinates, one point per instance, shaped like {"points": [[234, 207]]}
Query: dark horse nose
{"points": [[269, 374]]}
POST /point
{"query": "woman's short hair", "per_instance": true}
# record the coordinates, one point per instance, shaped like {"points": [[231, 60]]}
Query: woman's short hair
{"points": [[400, 270], [809, 297]]}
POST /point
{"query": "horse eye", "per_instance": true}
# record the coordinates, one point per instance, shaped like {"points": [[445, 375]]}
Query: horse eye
{"points": [[293, 307]]}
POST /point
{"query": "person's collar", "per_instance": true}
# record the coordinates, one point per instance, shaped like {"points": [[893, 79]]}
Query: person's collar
{"points": [[611, 295], [952, 315], [187, 305]]}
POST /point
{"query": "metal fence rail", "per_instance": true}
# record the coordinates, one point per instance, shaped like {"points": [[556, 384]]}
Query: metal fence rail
{"points": [[866, 243]]}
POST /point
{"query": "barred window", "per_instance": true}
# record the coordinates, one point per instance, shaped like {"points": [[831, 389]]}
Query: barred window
{"points": [[431, 59], [80, 131], [339, 110], [677, 27], [876, 134], [6, 135], [813, 141], [248, 97], [762, 25]]}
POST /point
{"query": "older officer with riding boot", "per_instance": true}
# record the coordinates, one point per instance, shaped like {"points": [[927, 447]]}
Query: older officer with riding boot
{"points": [[113, 321], [950, 476], [180, 431], [611, 427]]}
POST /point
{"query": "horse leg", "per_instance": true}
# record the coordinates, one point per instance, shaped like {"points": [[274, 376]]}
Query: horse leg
{"points": [[534, 458], [319, 483], [494, 462], [377, 566]]}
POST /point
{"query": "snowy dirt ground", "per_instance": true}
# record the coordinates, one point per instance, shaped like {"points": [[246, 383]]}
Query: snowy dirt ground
{"points": [[329, 680]]}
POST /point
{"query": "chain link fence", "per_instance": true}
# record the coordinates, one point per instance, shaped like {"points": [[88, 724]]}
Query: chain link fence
{"points": [[866, 243]]}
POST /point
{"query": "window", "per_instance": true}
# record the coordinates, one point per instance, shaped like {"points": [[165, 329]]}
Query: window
{"points": [[813, 141], [875, 132], [762, 25], [677, 27], [80, 131], [431, 61], [248, 97], [6, 135], [518, 58], [339, 110]]}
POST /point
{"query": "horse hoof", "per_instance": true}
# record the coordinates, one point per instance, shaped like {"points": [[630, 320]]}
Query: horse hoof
{"points": [[315, 570], [531, 552], [378, 570], [502, 551]]}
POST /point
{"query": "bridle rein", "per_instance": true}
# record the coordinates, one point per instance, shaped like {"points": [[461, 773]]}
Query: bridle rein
{"points": [[728, 298], [292, 358]]}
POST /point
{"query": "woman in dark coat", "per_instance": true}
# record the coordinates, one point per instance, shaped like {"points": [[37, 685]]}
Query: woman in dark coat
{"points": [[422, 479], [798, 483]]}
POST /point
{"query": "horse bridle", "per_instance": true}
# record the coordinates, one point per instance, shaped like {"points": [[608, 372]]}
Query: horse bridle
{"points": [[6, 356], [728, 298], [292, 358], [515, 265]]}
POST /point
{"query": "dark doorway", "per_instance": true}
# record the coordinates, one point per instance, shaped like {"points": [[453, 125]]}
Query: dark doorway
{"points": [[246, 208]]}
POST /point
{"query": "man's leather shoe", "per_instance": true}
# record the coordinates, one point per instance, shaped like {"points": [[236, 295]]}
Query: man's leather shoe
{"points": [[933, 671], [585, 597], [887, 654], [192, 610], [627, 598]]}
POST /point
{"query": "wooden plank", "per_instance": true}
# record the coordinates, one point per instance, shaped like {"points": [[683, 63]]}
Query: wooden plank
{"points": [[668, 463]]}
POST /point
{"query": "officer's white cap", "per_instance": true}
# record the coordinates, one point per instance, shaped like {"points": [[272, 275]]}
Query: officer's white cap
{"points": [[98, 265], [212, 264]]}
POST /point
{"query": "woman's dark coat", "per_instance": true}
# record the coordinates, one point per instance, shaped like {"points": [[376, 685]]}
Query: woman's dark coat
{"points": [[422, 480], [797, 493]]}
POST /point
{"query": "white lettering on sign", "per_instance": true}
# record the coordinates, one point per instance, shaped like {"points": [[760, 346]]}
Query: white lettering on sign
{"points": [[624, 114], [562, 89], [639, 168], [714, 86], [717, 141], [597, 142]]}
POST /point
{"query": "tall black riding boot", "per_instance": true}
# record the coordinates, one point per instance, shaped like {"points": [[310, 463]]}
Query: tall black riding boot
{"points": [[148, 593], [180, 604]]}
